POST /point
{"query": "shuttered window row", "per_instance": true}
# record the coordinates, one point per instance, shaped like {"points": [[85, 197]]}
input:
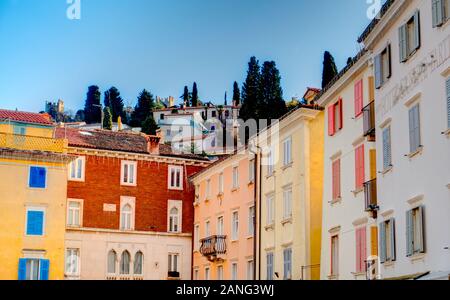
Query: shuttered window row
{"points": [[440, 12], [409, 37]]}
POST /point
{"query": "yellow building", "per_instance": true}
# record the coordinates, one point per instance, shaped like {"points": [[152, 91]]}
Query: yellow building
{"points": [[290, 196], [33, 193]]}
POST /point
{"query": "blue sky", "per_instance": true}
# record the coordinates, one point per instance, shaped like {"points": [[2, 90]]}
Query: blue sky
{"points": [[163, 45]]}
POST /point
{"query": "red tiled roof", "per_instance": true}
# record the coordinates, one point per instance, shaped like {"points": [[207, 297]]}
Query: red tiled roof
{"points": [[26, 117]]}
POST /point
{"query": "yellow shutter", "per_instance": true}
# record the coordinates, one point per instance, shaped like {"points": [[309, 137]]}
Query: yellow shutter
{"points": [[371, 89], [374, 241], [373, 164]]}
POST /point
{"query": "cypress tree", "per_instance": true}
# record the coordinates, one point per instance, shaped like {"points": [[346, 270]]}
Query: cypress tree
{"points": [[251, 91], [143, 109], [114, 101], [107, 118], [271, 105], [194, 98], [92, 112], [236, 94], [186, 97], [329, 69]]}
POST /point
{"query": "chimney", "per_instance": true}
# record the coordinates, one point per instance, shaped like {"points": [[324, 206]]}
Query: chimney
{"points": [[153, 144]]}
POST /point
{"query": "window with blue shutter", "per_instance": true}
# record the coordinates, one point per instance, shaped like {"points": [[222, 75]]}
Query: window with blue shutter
{"points": [[35, 223], [38, 178], [270, 266], [44, 269], [22, 269]]}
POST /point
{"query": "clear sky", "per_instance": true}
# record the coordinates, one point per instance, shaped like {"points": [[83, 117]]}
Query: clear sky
{"points": [[163, 45]]}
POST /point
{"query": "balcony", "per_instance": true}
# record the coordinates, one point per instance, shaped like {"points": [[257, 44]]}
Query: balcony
{"points": [[370, 196], [32, 143], [173, 275], [369, 121], [213, 246]]}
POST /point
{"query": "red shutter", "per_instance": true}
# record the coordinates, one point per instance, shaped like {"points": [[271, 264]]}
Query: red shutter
{"points": [[358, 98], [359, 167], [336, 179], [363, 248], [331, 129], [341, 114]]}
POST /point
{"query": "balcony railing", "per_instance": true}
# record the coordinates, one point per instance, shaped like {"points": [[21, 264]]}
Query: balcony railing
{"points": [[32, 143], [213, 246], [370, 195], [369, 120]]}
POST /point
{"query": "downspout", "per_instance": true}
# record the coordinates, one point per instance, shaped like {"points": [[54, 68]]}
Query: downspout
{"points": [[254, 219]]}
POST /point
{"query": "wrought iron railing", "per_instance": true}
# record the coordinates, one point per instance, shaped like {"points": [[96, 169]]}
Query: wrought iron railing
{"points": [[25, 142], [369, 119], [370, 195], [311, 272], [213, 245]]}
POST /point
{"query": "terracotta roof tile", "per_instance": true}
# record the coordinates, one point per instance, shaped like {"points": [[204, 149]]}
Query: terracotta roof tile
{"points": [[26, 117]]}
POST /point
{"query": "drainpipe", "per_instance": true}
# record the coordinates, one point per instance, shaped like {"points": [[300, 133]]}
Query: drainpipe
{"points": [[257, 205]]}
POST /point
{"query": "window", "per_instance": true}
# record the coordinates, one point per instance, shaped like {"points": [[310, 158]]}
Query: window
{"points": [[235, 177], [197, 238], [208, 229], [112, 258], [174, 220], [19, 130], [173, 262], [175, 177], [251, 221], [221, 183], [414, 129], [234, 271], [335, 118], [235, 225], [440, 12], [125, 263], [387, 241], [361, 249], [208, 189], [126, 217], [220, 226], [128, 173], [415, 234], [336, 180], [207, 273], [74, 210], [161, 116], [214, 114], [251, 171], [72, 262], [138, 263], [270, 210], [387, 150], [359, 168], [383, 69], [287, 264], [33, 269], [448, 102], [359, 98], [409, 37], [270, 163], [168, 133], [220, 273], [37, 178], [270, 266], [287, 203], [250, 270], [287, 150], [35, 220], [76, 169], [334, 255]]}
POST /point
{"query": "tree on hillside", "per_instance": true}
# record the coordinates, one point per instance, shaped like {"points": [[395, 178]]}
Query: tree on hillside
{"points": [[186, 96], [251, 91], [149, 126], [329, 69], [271, 105], [145, 105], [92, 109], [236, 94], [114, 101], [194, 98], [107, 118]]}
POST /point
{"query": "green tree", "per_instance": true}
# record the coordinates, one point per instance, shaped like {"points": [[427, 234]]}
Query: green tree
{"points": [[186, 97], [114, 101], [251, 91], [329, 69], [107, 118], [271, 105], [194, 98], [149, 126], [236, 94], [92, 109], [145, 105]]}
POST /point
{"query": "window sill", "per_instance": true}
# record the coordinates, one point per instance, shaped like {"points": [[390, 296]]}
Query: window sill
{"points": [[359, 274], [72, 276], [175, 189], [207, 200], [220, 195], [336, 201], [250, 183], [359, 190], [234, 241], [271, 175], [415, 153], [417, 257], [447, 133], [389, 263], [128, 184], [286, 221], [269, 227], [75, 180], [235, 189], [387, 170], [249, 237], [288, 166], [73, 226], [333, 277]]}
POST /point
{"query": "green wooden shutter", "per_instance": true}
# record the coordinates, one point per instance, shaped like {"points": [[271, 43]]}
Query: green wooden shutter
{"points": [[417, 30], [382, 242], [409, 233], [448, 103]]}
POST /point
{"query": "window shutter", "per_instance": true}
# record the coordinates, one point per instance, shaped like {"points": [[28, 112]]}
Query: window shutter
{"points": [[45, 266], [438, 8], [341, 114], [389, 70], [417, 30], [331, 120], [359, 166], [358, 98], [409, 234], [412, 136], [358, 250], [363, 248], [35, 222], [382, 242], [378, 73], [402, 43], [448, 102], [392, 233], [422, 229], [371, 89], [373, 164], [22, 269], [417, 125], [374, 241], [387, 159]]}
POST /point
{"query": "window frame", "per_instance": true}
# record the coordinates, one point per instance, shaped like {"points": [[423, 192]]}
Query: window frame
{"points": [[234, 271], [44, 219], [411, 122], [235, 177], [46, 177], [179, 206], [80, 213], [127, 201], [235, 226], [128, 163], [251, 220], [334, 263], [78, 264], [287, 263], [287, 202], [287, 152], [173, 265], [169, 181], [75, 178]]}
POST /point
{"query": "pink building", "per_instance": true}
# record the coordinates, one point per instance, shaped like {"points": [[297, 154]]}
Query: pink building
{"points": [[224, 220]]}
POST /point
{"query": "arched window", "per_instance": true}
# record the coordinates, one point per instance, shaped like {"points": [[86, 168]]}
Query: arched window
{"points": [[126, 217], [138, 263], [125, 263], [112, 257], [174, 220]]}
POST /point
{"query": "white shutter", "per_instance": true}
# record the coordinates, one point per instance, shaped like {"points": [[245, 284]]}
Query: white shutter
{"points": [[409, 233], [402, 43], [378, 72]]}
